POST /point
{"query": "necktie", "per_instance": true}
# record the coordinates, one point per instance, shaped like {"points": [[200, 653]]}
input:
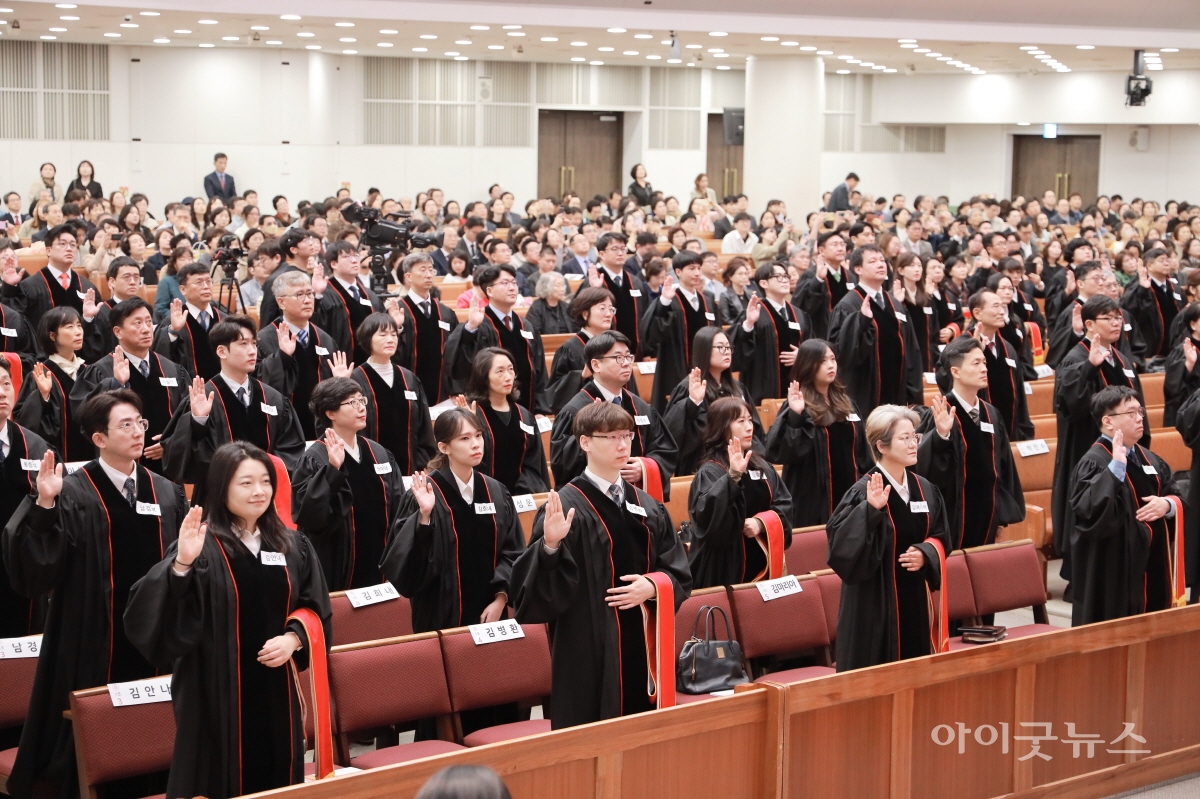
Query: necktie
{"points": [[508, 322], [221, 179], [617, 281], [974, 412], [65, 280], [879, 299], [354, 292], [426, 308], [204, 319], [614, 493], [243, 397], [144, 368], [130, 493], [302, 337], [617, 400], [3, 450]]}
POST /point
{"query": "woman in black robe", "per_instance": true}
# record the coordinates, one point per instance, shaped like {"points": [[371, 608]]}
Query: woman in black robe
{"points": [[452, 556], [346, 491], [733, 485], [592, 311], [512, 445], [397, 412], [711, 378], [818, 437], [918, 306], [879, 544], [44, 405], [1182, 377], [215, 611]]}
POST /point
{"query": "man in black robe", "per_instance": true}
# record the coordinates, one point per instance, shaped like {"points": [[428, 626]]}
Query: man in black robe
{"points": [[973, 466], [233, 406], [124, 276], [630, 298], [1068, 327], [670, 325], [1155, 299], [1122, 536], [1006, 376], [343, 300], [584, 571], [86, 538], [1089, 366], [610, 359], [825, 283], [56, 284], [184, 339], [499, 325], [1187, 422], [161, 383], [767, 336], [876, 346], [427, 325]]}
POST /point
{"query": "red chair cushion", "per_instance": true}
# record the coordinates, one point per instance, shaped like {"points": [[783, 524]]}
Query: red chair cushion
{"points": [[7, 758], [797, 675], [403, 753], [506, 732]]}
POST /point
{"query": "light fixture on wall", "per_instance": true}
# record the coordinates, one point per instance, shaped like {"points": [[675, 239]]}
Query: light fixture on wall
{"points": [[1050, 130]]}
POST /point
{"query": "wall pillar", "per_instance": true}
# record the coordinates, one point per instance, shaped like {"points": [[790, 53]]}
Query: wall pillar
{"points": [[785, 132]]}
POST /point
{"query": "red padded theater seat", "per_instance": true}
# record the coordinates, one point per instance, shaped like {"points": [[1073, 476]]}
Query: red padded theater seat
{"points": [[403, 753], [507, 732]]}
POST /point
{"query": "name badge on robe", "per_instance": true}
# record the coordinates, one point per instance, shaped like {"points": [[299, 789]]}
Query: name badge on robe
{"points": [[1176, 296], [1020, 333], [636, 510], [755, 474], [849, 287], [443, 324], [322, 351], [1027, 306], [1128, 373], [527, 334], [544, 425], [269, 410], [148, 509], [366, 302], [83, 295], [928, 311], [527, 429], [383, 468], [272, 558], [641, 420], [169, 382], [1011, 362], [8, 331], [524, 503], [1150, 470], [31, 465], [918, 507], [486, 507], [410, 395], [853, 417], [712, 317], [951, 306], [987, 427], [900, 317], [794, 325], [1128, 327], [635, 293]]}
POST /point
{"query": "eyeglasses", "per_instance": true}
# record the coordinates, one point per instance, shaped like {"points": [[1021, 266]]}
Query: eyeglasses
{"points": [[1139, 411], [722, 348], [1112, 318], [909, 439], [505, 283], [620, 438], [302, 295], [129, 425], [357, 402], [621, 360], [779, 276]]}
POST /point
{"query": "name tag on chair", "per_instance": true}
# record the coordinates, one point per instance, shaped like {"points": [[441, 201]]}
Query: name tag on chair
{"points": [[524, 503], [169, 382], [383, 468], [371, 595], [140, 692], [272, 558], [487, 508], [19, 648], [443, 324], [269, 410], [544, 425], [918, 507], [781, 587], [411, 396], [1035, 446], [987, 427], [636, 510], [1028, 389], [148, 509], [495, 631]]}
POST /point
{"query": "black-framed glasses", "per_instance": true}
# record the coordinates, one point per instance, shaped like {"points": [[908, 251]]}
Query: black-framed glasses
{"points": [[722, 348], [1139, 411], [621, 360]]}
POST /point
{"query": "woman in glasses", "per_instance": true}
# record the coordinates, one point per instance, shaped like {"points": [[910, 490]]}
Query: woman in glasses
{"points": [[880, 544], [346, 490], [512, 445], [44, 405], [592, 312], [710, 379]]}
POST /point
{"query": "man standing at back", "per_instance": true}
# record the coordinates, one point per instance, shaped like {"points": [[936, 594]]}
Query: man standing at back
{"points": [[217, 183], [839, 199]]}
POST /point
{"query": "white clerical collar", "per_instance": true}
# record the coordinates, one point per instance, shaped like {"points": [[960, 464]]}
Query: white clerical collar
{"points": [[601, 483], [963, 402], [901, 488], [117, 478], [465, 490]]}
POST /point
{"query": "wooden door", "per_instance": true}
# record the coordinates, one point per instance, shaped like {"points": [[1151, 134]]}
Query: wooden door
{"points": [[1066, 164], [579, 151], [724, 160]]}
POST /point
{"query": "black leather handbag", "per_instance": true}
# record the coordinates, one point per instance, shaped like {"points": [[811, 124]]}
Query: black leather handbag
{"points": [[706, 665]]}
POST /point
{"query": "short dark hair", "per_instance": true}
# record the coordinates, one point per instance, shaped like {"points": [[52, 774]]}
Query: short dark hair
{"points": [[328, 396], [1150, 255], [96, 412], [601, 345], [856, 257], [190, 270], [268, 249], [584, 300], [490, 274], [1011, 265], [825, 237], [1085, 269], [646, 238], [125, 308], [56, 232], [1098, 305], [686, 258], [1107, 399], [601, 417], [473, 221], [743, 217], [292, 238], [374, 323], [958, 349], [114, 267], [229, 330], [852, 176], [605, 240], [335, 250], [50, 322], [219, 156]]}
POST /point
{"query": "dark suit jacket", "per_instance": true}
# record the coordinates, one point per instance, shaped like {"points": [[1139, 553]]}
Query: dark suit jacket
{"points": [[212, 187], [839, 199], [479, 260], [441, 264], [722, 227]]}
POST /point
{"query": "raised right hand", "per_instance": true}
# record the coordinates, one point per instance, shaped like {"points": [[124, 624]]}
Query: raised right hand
{"points": [[739, 461], [795, 398], [178, 315], [697, 386], [877, 492], [120, 366], [1189, 354], [422, 492], [49, 480], [475, 312], [43, 379], [1070, 286], [191, 537], [555, 525], [286, 338], [753, 310], [201, 403], [335, 448], [594, 278], [668, 290], [319, 281], [865, 310], [822, 268], [1118, 447], [1097, 355], [1077, 319], [12, 273]]}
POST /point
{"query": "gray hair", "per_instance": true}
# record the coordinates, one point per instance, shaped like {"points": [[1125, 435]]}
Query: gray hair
{"points": [[881, 425], [288, 282], [545, 284], [412, 259]]}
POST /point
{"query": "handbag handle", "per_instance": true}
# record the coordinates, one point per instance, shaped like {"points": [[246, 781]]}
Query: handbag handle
{"points": [[696, 625], [708, 619]]}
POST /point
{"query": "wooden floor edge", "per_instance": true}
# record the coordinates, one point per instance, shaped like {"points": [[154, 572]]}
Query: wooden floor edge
{"points": [[1117, 779]]}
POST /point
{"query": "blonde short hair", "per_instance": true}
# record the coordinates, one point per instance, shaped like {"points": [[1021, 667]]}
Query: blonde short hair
{"points": [[881, 425]]}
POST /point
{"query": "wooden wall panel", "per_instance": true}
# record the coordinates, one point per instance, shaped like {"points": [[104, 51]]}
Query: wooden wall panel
{"points": [[975, 701], [843, 750], [573, 780], [731, 770], [1086, 690], [1171, 705]]}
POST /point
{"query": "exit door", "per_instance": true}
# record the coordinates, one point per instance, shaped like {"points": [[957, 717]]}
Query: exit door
{"points": [[579, 152]]}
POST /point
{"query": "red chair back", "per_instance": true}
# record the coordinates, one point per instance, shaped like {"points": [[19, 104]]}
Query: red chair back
{"points": [[113, 743], [685, 617], [958, 582], [381, 683], [809, 551], [831, 597], [16, 675], [1005, 577], [787, 624], [351, 625], [494, 674]]}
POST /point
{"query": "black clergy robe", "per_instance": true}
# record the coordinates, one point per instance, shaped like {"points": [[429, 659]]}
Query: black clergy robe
{"points": [[39, 292], [54, 417], [1153, 310], [398, 416], [884, 613], [756, 354], [651, 439], [190, 347], [1063, 338], [1005, 390], [923, 319], [347, 512], [453, 567], [512, 449], [340, 314], [975, 469], [269, 423], [239, 724], [17, 336], [631, 300], [718, 507], [423, 342], [817, 298], [685, 421], [1075, 381], [566, 372], [879, 357], [1187, 422], [1180, 384], [1121, 567], [522, 342], [669, 330], [598, 668], [160, 392], [296, 375], [820, 462], [65, 551], [19, 615]]}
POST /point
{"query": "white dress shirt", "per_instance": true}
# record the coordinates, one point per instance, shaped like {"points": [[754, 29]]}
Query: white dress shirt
{"points": [[603, 484], [466, 490], [117, 478], [901, 489]]}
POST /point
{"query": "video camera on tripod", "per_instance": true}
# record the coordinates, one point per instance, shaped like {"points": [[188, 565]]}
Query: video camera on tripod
{"points": [[384, 237]]}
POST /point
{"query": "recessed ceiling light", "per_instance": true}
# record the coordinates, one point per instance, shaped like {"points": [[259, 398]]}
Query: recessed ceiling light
{"points": [[955, 63], [462, 41], [274, 41], [1155, 67], [824, 52], [348, 40], [579, 44], [183, 30], [495, 47], [906, 41], [674, 60], [343, 24], [113, 35], [693, 63], [252, 27], [208, 22], [461, 58], [1030, 47], [229, 38], [49, 38], [909, 46], [808, 48], [1170, 49], [1085, 47], [306, 34], [512, 27], [312, 47], [129, 24], [1037, 52], [384, 44], [65, 5], [415, 49], [516, 33], [58, 30], [721, 55], [423, 35], [481, 27], [643, 36], [845, 57], [452, 53], [162, 41], [879, 66], [1152, 55], [149, 14], [596, 63], [722, 68], [1023, 124], [654, 58], [616, 30], [921, 50], [349, 52], [579, 58], [390, 32], [630, 52], [208, 45], [717, 33], [549, 38], [853, 61], [715, 50], [69, 19], [933, 55], [889, 70], [769, 39], [693, 46], [291, 17], [606, 49], [843, 72]]}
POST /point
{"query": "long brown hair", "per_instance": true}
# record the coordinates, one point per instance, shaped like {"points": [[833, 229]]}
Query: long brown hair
{"points": [[224, 465], [720, 416], [904, 260], [809, 359], [448, 425]]}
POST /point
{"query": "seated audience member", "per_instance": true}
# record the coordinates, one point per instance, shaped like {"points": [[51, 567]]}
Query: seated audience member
{"points": [[767, 335], [885, 538], [732, 500], [55, 285], [741, 239], [168, 282], [185, 340], [584, 573], [512, 444], [264, 261], [44, 403], [548, 314], [670, 325], [427, 325], [592, 313]]}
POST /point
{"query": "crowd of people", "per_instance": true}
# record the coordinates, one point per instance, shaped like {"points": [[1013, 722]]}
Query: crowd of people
{"points": [[407, 426]]}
